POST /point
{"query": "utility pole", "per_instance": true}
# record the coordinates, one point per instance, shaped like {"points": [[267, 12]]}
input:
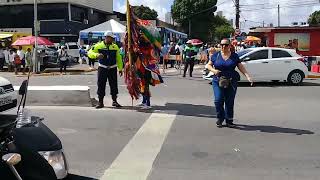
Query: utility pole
{"points": [[278, 15], [237, 4], [263, 24], [35, 51]]}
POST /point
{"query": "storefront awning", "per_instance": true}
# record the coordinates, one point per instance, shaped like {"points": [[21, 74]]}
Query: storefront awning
{"points": [[3, 36]]}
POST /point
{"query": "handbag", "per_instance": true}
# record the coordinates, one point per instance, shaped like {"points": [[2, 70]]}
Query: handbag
{"points": [[224, 82]]}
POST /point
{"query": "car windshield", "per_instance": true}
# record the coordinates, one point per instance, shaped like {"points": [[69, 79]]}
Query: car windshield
{"points": [[243, 52]]}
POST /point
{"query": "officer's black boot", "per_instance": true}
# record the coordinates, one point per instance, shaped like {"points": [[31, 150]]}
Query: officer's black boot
{"points": [[115, 102], [100, 105]]}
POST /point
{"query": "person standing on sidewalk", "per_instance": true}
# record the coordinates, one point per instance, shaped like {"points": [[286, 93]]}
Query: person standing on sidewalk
{"points": [[225, 81], [91, 61], [190, 53], [108, 54], [6, 53], [28, 57], [2, 58], [21, 54], [63, 58], [16, 61]]}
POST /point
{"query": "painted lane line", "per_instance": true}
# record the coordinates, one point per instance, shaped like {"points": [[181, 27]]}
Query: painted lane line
{"points": [[55, 88], [135, 161]]}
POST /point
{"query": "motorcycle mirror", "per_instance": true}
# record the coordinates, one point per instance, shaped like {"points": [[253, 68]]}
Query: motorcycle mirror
{"points": [[23, 87], [12, 158]]}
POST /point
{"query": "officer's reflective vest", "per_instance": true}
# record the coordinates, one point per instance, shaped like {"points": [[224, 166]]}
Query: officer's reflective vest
{"points": [[112, 57]]}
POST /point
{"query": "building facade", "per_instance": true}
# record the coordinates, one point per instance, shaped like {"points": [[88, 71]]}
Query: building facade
{"points": [[305, 40], [168, 18], [57, 17]]}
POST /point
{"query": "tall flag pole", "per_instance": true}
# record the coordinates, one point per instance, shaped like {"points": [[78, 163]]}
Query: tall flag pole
{"points": [[129, 32]]}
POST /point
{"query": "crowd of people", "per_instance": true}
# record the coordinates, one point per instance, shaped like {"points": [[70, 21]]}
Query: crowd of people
{"points": [[16, 60]]}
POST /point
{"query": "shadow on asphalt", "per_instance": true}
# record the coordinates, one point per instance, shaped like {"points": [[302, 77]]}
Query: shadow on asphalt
{"points": [[275, 84], [180, 109], [272, 129], [76, 177]]}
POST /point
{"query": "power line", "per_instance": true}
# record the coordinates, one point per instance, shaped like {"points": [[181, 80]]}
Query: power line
{"points": [[222, 2], [281, 3], [286, 6]]}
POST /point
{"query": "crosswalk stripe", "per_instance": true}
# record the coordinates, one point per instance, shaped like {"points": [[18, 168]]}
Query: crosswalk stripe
{"points": [[135, 161]]}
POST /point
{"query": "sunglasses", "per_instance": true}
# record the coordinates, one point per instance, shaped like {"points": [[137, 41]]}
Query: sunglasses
{"points": [[225, 44]]}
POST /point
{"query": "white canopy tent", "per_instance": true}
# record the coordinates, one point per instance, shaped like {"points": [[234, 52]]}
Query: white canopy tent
{"points": [[98, 31]]}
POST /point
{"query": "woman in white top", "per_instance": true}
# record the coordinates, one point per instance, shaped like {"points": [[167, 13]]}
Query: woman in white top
{"points": [[63, 58], [2, 58]]}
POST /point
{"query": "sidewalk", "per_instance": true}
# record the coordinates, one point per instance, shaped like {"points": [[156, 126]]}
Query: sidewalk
{"points": [[72, 70]]}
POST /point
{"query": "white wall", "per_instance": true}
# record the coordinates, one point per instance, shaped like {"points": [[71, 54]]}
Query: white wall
{"points": [[104, 5]]}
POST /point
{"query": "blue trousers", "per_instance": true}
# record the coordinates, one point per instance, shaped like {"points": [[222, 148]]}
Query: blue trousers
{"points": [[146, 100], [224, 101]]}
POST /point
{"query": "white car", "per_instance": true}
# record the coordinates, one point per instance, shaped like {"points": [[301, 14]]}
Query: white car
{"points": [[8, 97], [271, 64], [73, 50]]}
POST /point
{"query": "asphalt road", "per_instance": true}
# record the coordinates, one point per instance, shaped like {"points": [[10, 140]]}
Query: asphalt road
{"points": [[277, 137]]}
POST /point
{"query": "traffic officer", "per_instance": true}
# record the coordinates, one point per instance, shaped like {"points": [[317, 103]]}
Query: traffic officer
{"points": [[108, 54], [190, 53]]}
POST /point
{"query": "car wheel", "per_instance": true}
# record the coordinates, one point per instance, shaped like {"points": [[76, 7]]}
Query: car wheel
{"points": [[296, 77]]}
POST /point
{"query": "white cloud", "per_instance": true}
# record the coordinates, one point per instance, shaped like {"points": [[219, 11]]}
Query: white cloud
{"points": [[161, 6], [287, 14]]}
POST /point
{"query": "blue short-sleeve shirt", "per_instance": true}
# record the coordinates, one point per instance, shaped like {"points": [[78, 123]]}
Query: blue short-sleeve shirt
{"points": [[227, 67]]}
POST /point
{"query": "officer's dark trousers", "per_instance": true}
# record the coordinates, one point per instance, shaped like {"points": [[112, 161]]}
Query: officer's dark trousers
{"points": [[105, 75], [189, 62]]}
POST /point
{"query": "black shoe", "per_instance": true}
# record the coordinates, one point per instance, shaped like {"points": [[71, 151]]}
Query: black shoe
{"points": [[231, 125], [190, 75], [116, 104], [99, 106], [184, 76], [219, 123]]}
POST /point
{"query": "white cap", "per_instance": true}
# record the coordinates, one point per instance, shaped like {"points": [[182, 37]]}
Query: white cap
{"points": [[109, 33]]}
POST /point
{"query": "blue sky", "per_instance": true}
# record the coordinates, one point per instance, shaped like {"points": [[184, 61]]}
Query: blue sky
{"points": [[288, 14]]}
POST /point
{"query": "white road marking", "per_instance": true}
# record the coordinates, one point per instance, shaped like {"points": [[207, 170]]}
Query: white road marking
{"points": [[55, 88], [68, 108], [135, 161]]}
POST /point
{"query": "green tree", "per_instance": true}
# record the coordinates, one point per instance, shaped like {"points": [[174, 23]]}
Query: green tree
{"points": [[184, 10], [314, 18], [221, 28], [144, 12], [223, 31]]}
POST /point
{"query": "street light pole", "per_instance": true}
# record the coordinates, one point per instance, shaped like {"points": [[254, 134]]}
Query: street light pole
{"points": [[278, 15], [35, 51]]}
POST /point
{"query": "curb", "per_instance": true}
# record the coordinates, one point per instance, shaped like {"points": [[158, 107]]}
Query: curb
{"points": [[79, 72], [313, 76]]}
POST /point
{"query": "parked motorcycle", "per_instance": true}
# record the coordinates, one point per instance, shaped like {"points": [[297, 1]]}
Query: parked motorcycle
{"points": [[29, 149]]}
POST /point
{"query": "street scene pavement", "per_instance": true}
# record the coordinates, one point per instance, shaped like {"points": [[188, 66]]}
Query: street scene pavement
{"points": [[276, 137]]}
